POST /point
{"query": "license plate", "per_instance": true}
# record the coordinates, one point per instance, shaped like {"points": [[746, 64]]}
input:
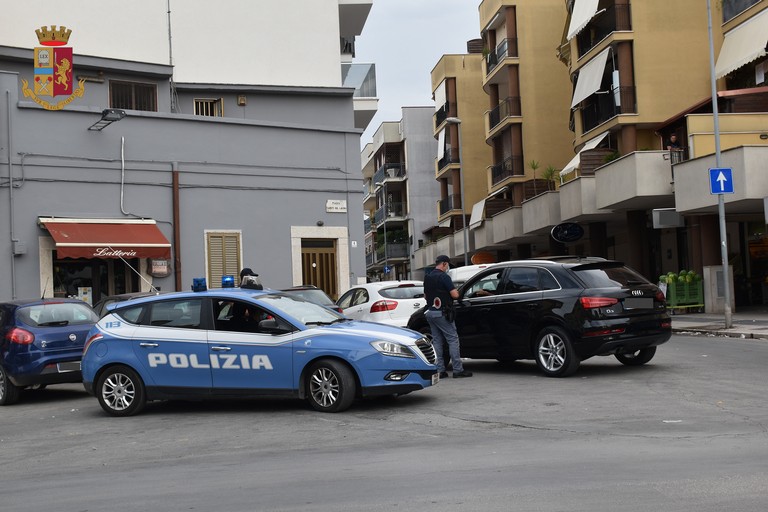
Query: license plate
{"points": [[435, 378], [72, 366], [638, 303]]}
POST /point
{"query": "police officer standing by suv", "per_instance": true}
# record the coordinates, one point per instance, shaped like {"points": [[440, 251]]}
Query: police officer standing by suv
{"points": [[440, 293]]}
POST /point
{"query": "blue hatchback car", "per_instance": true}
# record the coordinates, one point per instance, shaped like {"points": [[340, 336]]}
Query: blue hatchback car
{"points": [[247, 343], [41, 343]]}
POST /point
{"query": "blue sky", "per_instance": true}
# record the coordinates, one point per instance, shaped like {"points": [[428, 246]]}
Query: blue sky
{"points": [[405, 39]]}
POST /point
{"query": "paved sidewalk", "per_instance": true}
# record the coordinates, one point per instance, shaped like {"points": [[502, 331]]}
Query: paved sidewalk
{"points": [[749, 322]]}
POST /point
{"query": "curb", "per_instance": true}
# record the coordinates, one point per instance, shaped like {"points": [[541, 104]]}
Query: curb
{"points": [[721, 332]]}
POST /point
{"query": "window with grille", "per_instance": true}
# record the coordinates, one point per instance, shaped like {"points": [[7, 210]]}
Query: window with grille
{"points": [[209, 107], [223, 256], [133, 96]]}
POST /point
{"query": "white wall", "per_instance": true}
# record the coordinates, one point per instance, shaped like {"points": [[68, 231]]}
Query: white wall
{"points": [[264, 42]]}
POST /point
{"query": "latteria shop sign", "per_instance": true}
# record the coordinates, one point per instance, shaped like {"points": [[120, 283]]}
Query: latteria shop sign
{"points": [[53, 70]]}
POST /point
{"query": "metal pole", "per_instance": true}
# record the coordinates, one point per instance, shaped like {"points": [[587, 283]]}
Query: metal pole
{"points": [[720, 197]]}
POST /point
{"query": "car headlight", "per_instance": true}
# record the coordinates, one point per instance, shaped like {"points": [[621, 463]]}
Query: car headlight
{"points": [[390, 348]]}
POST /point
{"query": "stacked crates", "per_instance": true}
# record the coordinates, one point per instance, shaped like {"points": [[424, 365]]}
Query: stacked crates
{"points": [[684, 290]]}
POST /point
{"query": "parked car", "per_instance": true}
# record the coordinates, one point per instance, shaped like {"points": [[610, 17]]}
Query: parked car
{"points": [[386, 302], [239, 342], [101, 307], [559, 312], [41, 343], [313, 294]]}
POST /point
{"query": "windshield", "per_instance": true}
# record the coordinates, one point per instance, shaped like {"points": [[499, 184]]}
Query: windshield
{"points": [[609, 277], [304, 311], [57, 314]]}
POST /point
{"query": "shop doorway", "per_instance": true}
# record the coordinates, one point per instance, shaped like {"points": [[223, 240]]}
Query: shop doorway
{"points": [[93, 279]]}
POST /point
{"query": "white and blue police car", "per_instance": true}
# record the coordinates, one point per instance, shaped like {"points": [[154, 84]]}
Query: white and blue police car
{"points": [[237, 342]]}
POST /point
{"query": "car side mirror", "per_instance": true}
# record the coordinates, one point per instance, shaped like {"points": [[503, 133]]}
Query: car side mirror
{"points": [[270, 326]]}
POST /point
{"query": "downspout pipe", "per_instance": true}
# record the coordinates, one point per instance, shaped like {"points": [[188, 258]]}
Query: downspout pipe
{"points": [[176, 225], [10, 194]]}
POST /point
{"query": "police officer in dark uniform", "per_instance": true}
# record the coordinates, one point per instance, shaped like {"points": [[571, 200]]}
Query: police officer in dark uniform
{"points": [[440, 293]]}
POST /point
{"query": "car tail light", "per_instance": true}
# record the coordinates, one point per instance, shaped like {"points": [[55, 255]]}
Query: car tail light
{"points": [[660, 296], [597, 302], [383, 305], [20, 336]]}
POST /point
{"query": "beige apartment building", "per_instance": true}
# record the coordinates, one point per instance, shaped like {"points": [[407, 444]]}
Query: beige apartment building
{"points": [[589, 92]]}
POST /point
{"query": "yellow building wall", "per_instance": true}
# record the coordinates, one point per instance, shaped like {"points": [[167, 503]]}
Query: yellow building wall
{"points": [[471, 105], [735, 130]]}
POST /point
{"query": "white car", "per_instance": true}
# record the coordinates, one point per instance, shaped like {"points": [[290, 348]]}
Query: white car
{"points": [[385, 302], [459, 275]]}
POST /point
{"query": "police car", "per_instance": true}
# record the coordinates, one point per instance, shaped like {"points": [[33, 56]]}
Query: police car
{"points": [[236, 342]]}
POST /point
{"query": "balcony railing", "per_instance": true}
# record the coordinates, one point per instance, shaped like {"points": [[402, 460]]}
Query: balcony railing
{"points": [[615, 17], [390, 170], [508, 107], [732, 8], [512, 166], [444, 112], [506, 48], [360, 76], [449, 203], [367, 225], [602, 107], [369, 259], [391, 251], [678, 155], [451, 156], [388, 211]]}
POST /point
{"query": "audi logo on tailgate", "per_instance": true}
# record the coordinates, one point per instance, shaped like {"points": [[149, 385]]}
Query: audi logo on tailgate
{"points": [[637, 292]]}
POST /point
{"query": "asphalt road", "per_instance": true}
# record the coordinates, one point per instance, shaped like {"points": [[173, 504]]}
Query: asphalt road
{"points": [[688, 432]]}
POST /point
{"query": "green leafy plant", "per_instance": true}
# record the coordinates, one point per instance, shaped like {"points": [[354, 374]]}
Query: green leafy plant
{"points": [[550, 175]]}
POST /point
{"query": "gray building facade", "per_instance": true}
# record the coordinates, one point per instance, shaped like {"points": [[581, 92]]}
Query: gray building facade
{"points": [[269, 181]]}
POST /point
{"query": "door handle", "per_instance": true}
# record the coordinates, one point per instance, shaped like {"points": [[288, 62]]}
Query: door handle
{"points": [[221, 349], [147, 344]]}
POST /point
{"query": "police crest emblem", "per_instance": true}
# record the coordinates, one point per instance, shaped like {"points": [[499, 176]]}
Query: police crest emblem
{"points": [[53, 72]]}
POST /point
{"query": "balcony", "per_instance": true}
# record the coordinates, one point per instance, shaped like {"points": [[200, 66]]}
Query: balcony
{"points": [[451, 156], [638, 181], [733, 8], [506, 48], [448, 204], [601, 107], [392, 252], [391, 210], [367, 226], [612, 19], [509, 107], [360, 76], [443, 113], [389, 171], [511, 166]]}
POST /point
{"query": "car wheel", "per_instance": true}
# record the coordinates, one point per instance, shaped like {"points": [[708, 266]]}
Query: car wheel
{"points": [[330, 386], [9, 393], [120, 391], [638, 357], [554, 353]]}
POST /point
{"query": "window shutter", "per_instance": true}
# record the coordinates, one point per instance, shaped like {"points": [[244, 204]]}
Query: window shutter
{"points": [[223, 257]]}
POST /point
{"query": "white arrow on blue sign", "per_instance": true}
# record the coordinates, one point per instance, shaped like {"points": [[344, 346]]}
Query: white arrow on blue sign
{"points": [[721, 180]]}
